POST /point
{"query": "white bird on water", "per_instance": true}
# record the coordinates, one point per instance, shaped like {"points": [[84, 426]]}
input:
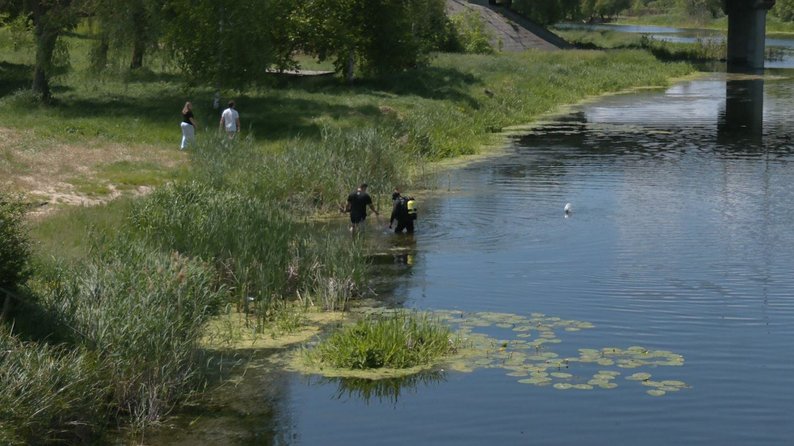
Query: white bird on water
{"points": [[567, 209]]}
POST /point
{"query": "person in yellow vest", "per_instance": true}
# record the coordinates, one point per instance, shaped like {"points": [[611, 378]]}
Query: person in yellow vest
{"points": [[404, 212]]}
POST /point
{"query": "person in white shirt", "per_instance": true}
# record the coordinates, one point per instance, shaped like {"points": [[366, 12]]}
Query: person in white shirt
{"points": [[230, 121]]}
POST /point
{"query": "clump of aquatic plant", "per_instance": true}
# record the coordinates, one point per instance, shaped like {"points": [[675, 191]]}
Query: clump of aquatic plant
{"points": [[400, 340], [50, 394]]}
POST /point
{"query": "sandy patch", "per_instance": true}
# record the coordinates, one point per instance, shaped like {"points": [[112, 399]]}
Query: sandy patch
{"points": [[45, 172]]}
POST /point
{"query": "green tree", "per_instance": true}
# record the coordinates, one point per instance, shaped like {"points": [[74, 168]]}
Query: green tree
{"points": [[378, 35], [784, 10], [700, 10], [50, 18], [547, 11], [125, 24], [227, 43], [603, 8]]}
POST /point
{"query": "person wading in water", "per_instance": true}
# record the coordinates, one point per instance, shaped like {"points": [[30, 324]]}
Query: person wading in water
{"points": [[403, 212], [357, 203]]}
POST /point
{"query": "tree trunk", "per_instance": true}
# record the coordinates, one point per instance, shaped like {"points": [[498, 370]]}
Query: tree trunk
{"points": [[351, 66], [5, 313], [99, 56], [45, 45], [138, 48]]}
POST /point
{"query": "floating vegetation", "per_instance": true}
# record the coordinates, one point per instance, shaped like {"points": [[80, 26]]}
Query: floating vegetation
{"points": [[524, 352], [534, 362]]}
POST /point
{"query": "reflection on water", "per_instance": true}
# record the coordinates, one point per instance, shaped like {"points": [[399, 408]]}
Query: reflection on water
{"points": [[382, 390], [741, 120]]}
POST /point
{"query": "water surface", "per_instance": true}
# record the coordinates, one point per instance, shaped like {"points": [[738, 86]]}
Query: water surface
{"points": [[680, 239]]}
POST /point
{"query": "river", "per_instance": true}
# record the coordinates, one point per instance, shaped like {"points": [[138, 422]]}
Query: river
{"points": [[680, 240]]}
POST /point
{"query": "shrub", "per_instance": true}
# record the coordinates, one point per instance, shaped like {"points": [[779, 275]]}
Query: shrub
{"points": [[15, 249]]}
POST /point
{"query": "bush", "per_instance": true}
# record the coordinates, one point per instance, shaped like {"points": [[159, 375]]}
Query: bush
{"points": [[15, 249], [472, 34]]}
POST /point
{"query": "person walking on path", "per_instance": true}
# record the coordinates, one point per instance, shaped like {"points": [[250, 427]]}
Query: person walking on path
{"points": [[230, 121], [188, 126], [357, 203]]}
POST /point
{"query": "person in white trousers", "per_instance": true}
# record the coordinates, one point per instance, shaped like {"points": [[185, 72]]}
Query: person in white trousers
{"points": [[188, 126]]}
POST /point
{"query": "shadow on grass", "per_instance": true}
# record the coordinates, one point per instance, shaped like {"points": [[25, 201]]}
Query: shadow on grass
{"points": [[427, 82], [269, 116], [15, 77]]}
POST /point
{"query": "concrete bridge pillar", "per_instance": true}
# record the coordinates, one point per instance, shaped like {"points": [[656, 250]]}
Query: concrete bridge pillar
{"points": [[746, 33]]}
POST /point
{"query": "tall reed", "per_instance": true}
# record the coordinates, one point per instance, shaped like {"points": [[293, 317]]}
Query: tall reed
{"points": [[50, 394], [139, 311]]}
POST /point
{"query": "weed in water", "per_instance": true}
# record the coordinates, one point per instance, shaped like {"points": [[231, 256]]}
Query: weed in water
{"points": [[399, 340]]}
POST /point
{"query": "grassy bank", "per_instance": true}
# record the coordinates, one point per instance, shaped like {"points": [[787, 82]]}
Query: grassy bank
{"points": [[701, 50], [120, 292], [773, 24]]}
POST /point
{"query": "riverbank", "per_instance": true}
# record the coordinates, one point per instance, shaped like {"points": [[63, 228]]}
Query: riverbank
{"points": [[774, 26], [231, 226]]}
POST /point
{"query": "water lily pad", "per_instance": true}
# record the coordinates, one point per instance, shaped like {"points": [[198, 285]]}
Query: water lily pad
{"points": [[639, 376], [583, 387], [561, 375], [673, 383], [656, 392], [562, 386]]}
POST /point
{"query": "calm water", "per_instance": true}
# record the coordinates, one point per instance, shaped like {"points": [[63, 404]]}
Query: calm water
{"points": [[681, 239]]}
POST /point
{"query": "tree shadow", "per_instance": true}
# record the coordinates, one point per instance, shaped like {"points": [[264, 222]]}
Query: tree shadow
{"points": [[270, 115], [427, 82], [15, 77]]}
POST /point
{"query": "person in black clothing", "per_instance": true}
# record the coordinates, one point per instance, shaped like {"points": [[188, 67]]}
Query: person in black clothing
{"points": [[357, 203], [401, 213]]}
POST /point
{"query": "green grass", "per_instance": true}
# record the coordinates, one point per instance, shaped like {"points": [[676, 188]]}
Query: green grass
{"points": [[701, 50], [397, 341], [773, 24], [50, 395]]}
